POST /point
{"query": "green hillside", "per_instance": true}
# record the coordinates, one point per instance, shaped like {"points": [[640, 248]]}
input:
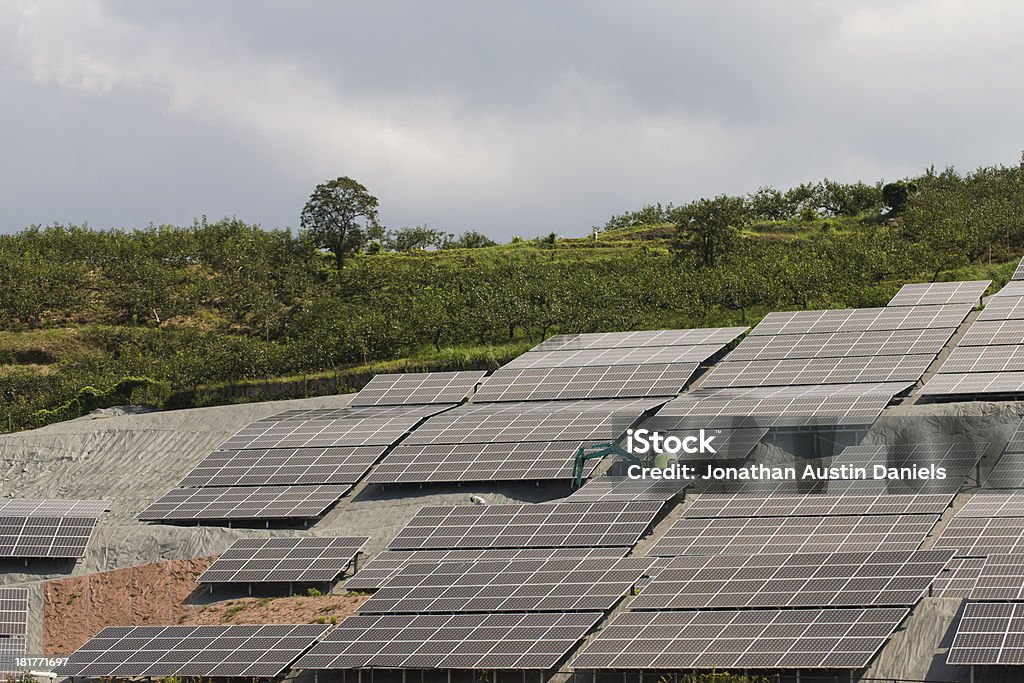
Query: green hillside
{"points": [[176, 316]]}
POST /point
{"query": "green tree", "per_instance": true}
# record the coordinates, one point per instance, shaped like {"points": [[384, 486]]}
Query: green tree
{"points": [[708, 227], [419, 237], [341, 216], [896, 195], [470, 239]]}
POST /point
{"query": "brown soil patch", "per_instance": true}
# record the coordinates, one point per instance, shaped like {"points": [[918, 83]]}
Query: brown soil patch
{"points": [[156, 594]]}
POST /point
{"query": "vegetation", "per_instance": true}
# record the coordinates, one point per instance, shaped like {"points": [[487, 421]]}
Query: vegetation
{"points": [[219, 311]]}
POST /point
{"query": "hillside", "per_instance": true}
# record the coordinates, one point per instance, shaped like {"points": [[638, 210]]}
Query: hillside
{"points": [[222, 312]]}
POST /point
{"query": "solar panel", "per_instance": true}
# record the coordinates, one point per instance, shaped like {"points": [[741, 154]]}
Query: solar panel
{"points": [[989, 333], [53, 537], [989, 634], [1018, 274], [379, 571], [1001, 579], [798, 580], [973, 359], [13, 611], [616, 381], [245, 502], [817, 505], [450, 641], [353, 413], [417, 388], [958, 458], [994, 504], [608, 357], [614, 340], [861, 319], [562, 585], [270, 560], [283, 466], [970, 384], [538, 525], [258, 651], [360, 427], [959, 579], [1003, 308], [940, 293], [981, 536], [745, 536], [842, 344], [790, 372], [1008, 472], [839, 404], [10, 649], [478, 462], [50, 507], [624, 489], [756, 639], [521, 422], [1011, 289]]}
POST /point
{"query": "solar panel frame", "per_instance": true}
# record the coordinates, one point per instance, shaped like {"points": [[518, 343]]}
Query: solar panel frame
{"points": [[13, 611], [928, 293], [1010, 289], [505, 461], [993, 332], [639, 355], [994, 504], [45, 537], [517, 641], [982, 536], [1003, 308], [842, 344], [722, 505], [651, 338], [245, 503], [418, 388], [959, 579], [1008, 473], [756, 639], [533, 525], [383, 566], [973, 384], [615, 381], [52, 507], [863, 319], [980, 359], [284, 466], [1001, 579], [792, 372], [838, 404], [256, 651], [989, 633], [1018, 274], [560, 585], [744, 536], [884, 578], [276, 560]]}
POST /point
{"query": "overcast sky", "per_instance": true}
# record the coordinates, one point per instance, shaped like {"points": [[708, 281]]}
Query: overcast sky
{"points": [[516, 118]]}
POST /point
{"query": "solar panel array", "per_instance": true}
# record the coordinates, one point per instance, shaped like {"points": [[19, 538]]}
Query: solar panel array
{"points": [[748, 536], [161, 651], [1008, 473], [245, 502], [507, 441], [958, 458], [708, 505], [613, 381], [414, 388], [270, 560], [640, 355], [42, 528], [982, 536], [756, 639], [539, 525], [862, 579], [842, 344], [1001, 579], [13, 611], [654, 338], [941, 293], [528, 641], [624, 489], [387, 564], [553, 585], [994, 504], [284, 466], [1018, 274], [794, 372], [989, 633], [10, 649], [863, 319], [959, 578], [988, 358], [800, 406]]}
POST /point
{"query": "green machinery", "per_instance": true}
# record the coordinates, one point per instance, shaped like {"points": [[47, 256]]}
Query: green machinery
{"points": [[597, 451]]}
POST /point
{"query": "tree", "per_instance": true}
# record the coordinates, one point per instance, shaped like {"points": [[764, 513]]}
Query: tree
{"points": [[470, 239], [420, 237], [707, 227], [896, 195], [341, 216]]}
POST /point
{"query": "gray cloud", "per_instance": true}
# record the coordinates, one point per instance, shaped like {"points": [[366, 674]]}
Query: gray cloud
{"points": [[518, 118]]}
